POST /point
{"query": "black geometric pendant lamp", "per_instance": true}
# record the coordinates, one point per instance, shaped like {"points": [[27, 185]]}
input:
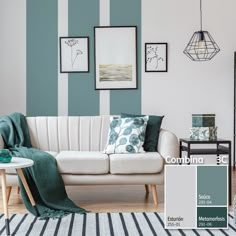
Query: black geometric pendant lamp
{"points": [[201, 47]]}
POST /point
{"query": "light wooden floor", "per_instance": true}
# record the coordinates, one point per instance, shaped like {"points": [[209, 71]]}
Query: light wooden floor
{"points": [[108, 198]]}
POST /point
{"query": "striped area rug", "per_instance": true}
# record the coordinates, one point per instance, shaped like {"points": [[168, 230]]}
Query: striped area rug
{"points": [[102, 224]]}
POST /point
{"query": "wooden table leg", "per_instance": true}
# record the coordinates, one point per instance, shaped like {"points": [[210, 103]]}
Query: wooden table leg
{"points": [[4, 198], [24, 182], [18, 190], [154, 193], [9, 188], [146, 188]]}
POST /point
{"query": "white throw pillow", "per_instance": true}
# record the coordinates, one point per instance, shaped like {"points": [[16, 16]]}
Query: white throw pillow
{"points": [[126, 135]]}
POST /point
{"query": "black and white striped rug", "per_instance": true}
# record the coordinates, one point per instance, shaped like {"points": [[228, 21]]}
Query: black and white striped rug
{"points": [[102, 224]]}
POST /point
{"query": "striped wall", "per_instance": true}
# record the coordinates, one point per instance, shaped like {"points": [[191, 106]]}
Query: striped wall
{"points": [[29, 76], [51, 93]]}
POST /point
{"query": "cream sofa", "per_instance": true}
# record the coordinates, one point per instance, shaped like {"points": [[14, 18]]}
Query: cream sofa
{"points": [[77, 144]]}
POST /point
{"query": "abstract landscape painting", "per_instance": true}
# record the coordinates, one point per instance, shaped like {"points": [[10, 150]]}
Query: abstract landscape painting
{"points": [[115, 57], [115, 72]]}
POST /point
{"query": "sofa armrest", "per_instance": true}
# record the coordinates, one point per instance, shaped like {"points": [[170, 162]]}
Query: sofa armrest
{"points": [[168, 145], [1, 142]]}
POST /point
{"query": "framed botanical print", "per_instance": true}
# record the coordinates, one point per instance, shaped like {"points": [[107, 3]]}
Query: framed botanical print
{"points": [[74, 54], [115, 57], [156, 57]]}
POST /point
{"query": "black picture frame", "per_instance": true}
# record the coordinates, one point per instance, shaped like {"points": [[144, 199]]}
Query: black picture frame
{"points": [[110, 85], [152, 59], [86, 55]]}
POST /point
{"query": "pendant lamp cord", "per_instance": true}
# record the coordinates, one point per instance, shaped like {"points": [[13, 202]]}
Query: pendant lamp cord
{"points": [[201, 14]]}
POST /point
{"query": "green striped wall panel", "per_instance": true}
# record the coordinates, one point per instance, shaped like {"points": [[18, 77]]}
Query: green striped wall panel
{"points": [[127, 12], [42, 57], [83, 99]]}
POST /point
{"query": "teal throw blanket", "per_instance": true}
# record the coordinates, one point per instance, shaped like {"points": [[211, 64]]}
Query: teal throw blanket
{"points": [[43, 178]]}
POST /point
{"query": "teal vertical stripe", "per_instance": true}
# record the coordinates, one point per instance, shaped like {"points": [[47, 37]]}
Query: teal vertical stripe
{"points": [[127, 12], [83, 99], [42, 56]]}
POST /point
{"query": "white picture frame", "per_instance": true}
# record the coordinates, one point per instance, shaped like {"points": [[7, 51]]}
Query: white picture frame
{"points": [[74, 54], [115, 57]]}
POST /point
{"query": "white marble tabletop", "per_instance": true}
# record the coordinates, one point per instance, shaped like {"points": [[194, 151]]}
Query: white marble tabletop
{"points": [[16, 163]]}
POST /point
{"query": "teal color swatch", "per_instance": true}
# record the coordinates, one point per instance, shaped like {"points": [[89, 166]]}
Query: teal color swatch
{"points": [[127, 13], [212, 185], [83, 98], [42, 57], [212, 217]]}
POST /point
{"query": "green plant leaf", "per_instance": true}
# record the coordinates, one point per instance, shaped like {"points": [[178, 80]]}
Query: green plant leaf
{"points": [[130, 148], [134, 140], [142, 136], [113, 137], [123, 141], [127, 131]]}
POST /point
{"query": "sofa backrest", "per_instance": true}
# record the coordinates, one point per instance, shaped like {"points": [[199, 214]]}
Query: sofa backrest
{"points": [[77, 133]]}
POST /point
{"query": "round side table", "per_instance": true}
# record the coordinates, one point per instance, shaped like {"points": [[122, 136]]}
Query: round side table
{"points": [[18, 164]]}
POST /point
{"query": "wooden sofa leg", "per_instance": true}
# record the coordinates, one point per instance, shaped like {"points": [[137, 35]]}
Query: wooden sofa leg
{"points": [[146, 188], [154, 194], [18, 190], [8, 192]]}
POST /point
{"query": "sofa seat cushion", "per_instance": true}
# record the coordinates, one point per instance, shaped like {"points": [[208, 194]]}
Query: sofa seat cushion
{"points": [[137, 163], [76, 162]]}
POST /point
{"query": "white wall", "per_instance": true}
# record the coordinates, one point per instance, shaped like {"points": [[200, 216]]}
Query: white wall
{"points": [[190, 87], [104, 95], [12, 56]]}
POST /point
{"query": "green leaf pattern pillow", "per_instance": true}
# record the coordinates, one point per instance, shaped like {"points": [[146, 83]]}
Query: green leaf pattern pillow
{"points": [[126, 135]]}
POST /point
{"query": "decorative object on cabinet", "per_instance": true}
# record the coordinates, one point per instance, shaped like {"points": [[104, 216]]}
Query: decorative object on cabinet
{"points": [[203, 127]]}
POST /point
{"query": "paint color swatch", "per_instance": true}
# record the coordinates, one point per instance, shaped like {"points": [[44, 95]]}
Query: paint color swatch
{"points": [[212, 185], [196, 197]]}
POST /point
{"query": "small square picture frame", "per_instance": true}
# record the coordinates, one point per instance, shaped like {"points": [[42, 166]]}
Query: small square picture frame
{"points": [[156, 57], [74, 54]]}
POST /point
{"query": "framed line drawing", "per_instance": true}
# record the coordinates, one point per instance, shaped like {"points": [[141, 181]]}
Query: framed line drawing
{"points": [[74, 54], [115, 57], [156, 57]]}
